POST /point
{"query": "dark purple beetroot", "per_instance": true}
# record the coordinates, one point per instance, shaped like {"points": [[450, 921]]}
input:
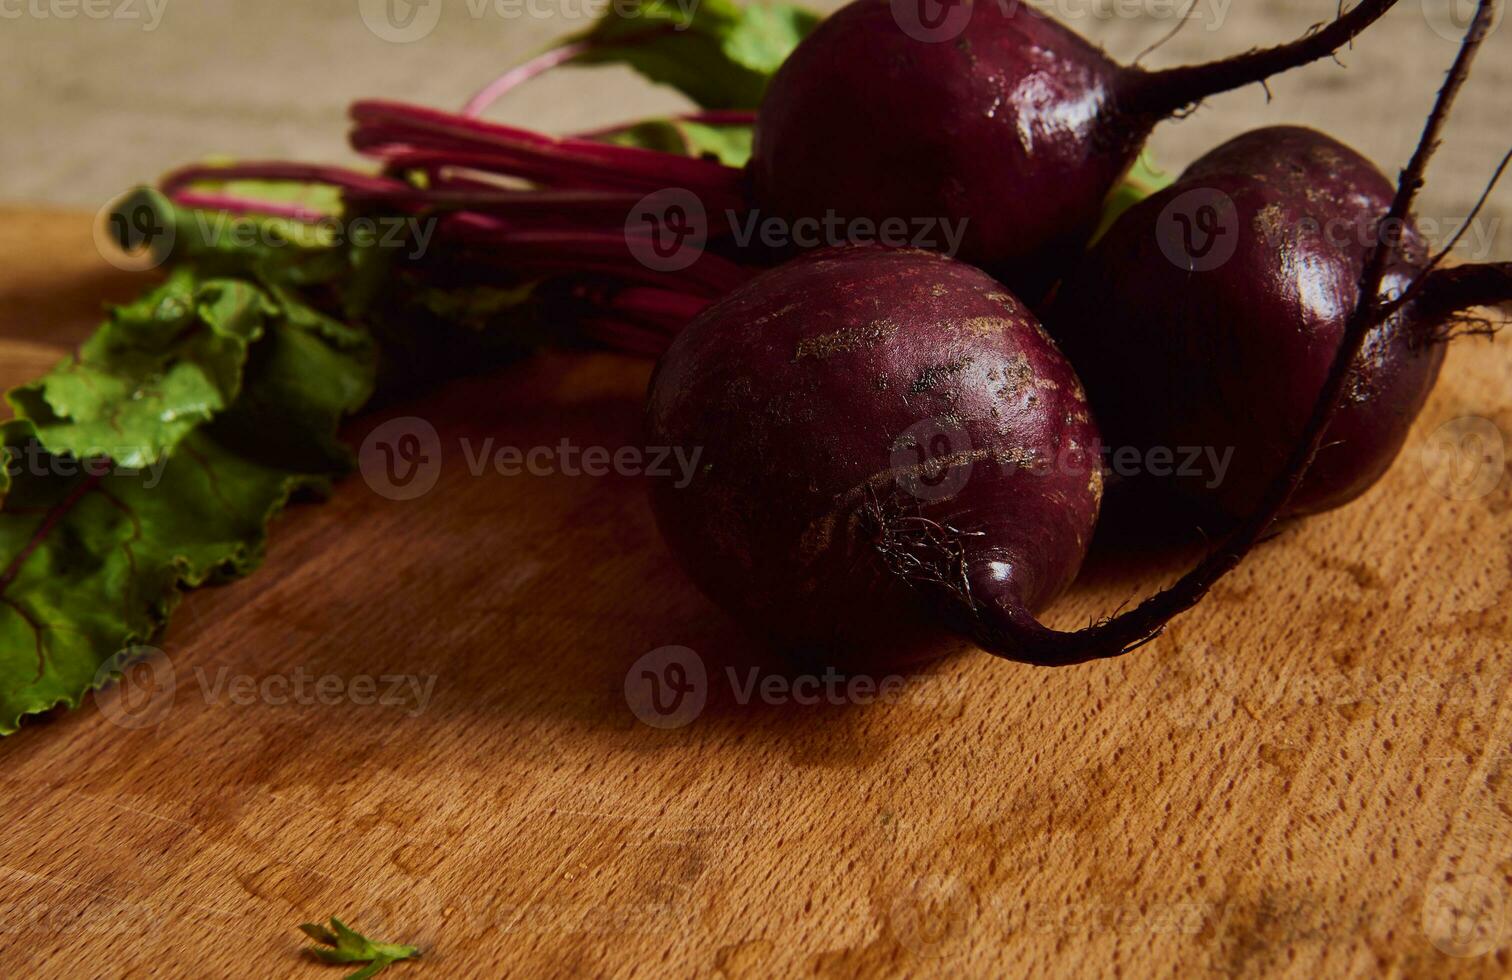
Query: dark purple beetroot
{"points": [[1012, 123], [883, 434], [1211, 313]]}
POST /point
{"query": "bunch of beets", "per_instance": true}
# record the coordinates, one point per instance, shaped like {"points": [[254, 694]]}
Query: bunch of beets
{"points": [[893, 438]]}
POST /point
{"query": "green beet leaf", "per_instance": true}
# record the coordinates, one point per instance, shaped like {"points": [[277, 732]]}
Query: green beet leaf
{"points": [[158, 369], [95, 553], [715, 52], [729, 145]]}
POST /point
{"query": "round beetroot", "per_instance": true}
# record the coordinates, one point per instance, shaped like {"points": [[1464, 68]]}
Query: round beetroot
{"points": [[884, 435], [1211, 313]]}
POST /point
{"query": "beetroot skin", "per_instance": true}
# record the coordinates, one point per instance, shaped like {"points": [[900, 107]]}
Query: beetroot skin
{"points": [[884, 433], [1178, 354]]}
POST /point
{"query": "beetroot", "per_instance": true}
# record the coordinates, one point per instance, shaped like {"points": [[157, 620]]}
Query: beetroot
{"points": [[1003, 117], [881, 431], [1210, 315]]}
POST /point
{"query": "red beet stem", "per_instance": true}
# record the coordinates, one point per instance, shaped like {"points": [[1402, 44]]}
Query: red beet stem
{"points": [[393, 124], [587, 251], [624, 335], [302, 173], [669, 306], [1003, 626], [711, 117], [1159, 94], [553, 58], [521, 74]]}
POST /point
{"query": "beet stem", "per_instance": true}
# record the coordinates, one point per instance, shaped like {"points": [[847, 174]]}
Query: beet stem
{"points": [[1158, 94], [301, 173], [521, 74], [708, 117], [414, 127], [1008, 630]]}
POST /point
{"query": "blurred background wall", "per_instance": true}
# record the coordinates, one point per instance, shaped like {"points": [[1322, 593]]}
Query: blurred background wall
{"points": [[99, 94]]}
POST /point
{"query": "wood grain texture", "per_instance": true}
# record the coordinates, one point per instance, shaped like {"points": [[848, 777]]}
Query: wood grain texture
{"points": [[1310, 773]]}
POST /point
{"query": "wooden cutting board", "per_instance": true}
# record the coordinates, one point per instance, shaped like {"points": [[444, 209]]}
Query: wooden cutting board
{"points": [[1309, 773]]}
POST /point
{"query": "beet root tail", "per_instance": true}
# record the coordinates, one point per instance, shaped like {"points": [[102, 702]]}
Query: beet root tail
{"points": [[1159, 94]]}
